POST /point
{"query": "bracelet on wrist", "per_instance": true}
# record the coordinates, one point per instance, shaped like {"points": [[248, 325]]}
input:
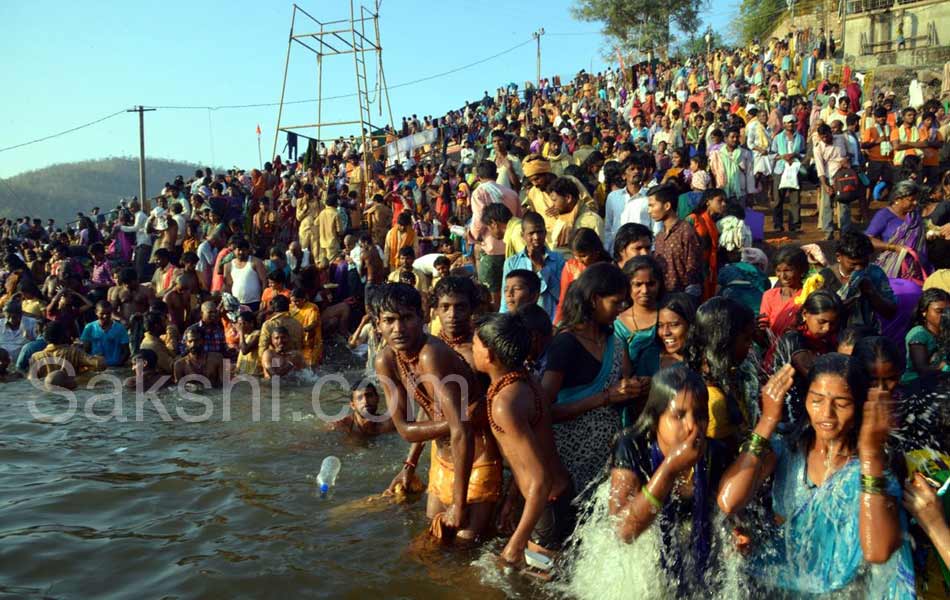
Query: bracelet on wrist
{"points": [[409, 464], [756, 445], [656, 502], [873, 485]]}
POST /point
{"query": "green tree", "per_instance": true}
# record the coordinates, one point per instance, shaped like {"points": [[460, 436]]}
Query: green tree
{"points": [[640, 25], [696, 43], [757, 18]]}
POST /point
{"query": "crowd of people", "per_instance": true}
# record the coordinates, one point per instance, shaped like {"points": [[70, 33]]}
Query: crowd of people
{"points": [[576, 297]]}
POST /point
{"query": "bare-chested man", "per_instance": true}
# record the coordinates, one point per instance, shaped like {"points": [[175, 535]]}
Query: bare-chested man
{"points": [[455, 300], [364, 419], [371, 263], [129, 297], [197, 361], [179, 303], [279, 360], [465, 473], [521, 423]]}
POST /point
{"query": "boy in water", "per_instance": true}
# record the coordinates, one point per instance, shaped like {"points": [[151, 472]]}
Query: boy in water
{"points": [[521, 424], [364, 418], [465, 473]]}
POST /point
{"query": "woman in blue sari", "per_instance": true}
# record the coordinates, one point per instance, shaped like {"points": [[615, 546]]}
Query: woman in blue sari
{"points": [[838, 525], [587, 372], [637, 324]]}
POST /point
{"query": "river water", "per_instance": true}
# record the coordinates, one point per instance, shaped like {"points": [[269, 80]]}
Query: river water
{"points": [[220, 508]]}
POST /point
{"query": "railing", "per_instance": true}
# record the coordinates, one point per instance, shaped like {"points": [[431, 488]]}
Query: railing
{"points": [[860, 6]]}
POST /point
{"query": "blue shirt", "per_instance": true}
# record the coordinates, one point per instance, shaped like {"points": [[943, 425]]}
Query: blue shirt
{"points": [[108, 344], [550, 275]]}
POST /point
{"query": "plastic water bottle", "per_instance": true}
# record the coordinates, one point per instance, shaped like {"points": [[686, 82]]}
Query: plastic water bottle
{"points": [[329, 469]]}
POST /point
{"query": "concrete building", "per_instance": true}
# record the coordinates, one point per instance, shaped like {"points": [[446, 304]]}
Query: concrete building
{"points": [[904, 33]]}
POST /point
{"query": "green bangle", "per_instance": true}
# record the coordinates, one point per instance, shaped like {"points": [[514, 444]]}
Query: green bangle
{"points": [[651, 498], [873, 485], [756, 445]]}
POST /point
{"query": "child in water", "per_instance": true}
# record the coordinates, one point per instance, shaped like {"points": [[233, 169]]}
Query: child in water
{"points": [[520, 420]]}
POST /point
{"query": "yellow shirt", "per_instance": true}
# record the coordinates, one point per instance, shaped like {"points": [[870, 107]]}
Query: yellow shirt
{"points": [[720, 425], [328, 226], [307, 316], [64, 353], [34, 308]]}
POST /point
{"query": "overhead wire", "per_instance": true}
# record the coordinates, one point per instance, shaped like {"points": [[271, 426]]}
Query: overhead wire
{"points": [[341, 96], [64, 132]]}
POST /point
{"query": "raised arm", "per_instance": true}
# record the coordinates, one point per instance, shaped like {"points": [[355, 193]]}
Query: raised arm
{"points": [[878, 523], [756, 461]]}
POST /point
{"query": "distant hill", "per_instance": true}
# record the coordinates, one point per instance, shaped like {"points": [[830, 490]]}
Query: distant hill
{"points": [[60, 191]]}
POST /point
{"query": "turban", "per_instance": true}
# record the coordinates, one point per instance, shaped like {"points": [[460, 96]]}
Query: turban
{"points": [[535, 165]]}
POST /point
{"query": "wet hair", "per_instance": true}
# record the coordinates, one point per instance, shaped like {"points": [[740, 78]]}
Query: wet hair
{"points": [[926, 299], [280, 329], [461, 286], [404, 219], [298, 292], [628, 234], [365, 386], [529, 277], [709, 345], [866, 352], [247, 317], [854, 244], [600, 279], [586, 241], [507, 336], [442, 261], [793, 256], [838, 365], [496, 213], [277, 276], [639, 263], [394, 297], [664, 387], [149, 356]]}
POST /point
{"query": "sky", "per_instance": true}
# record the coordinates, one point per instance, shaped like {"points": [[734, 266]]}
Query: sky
{"points": [[70, 63]]}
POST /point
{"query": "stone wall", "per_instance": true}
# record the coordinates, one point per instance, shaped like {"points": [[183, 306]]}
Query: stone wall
{"points": [[878, 29]]}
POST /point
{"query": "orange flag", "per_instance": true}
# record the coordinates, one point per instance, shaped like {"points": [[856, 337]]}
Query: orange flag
{"points": [[258, 129]]}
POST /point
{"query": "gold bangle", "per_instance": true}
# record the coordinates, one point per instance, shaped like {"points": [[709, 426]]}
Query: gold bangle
{"points": [[656, 502]]}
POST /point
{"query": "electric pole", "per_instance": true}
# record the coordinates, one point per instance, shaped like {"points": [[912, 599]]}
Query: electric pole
{"points": [[537, 36], [141, 110]]}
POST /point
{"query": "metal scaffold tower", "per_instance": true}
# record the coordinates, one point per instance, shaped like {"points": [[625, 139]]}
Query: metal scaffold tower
{"points": [[340, 37]]}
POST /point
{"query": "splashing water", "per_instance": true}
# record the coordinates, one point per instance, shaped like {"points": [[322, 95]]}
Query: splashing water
{"points": [[600, 566]]}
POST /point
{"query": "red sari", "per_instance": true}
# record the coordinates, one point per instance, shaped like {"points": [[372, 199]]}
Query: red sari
{"points": [[572, 270], [706, 230]]}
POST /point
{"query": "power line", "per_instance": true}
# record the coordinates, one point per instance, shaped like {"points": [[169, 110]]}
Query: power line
{"points": [[55, 135], [391, 87]]}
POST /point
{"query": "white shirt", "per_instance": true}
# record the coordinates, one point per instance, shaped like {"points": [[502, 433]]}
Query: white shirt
{"points": [[12, 340], [304, 259], [206, 255], [621, 208], [140, 227]]}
